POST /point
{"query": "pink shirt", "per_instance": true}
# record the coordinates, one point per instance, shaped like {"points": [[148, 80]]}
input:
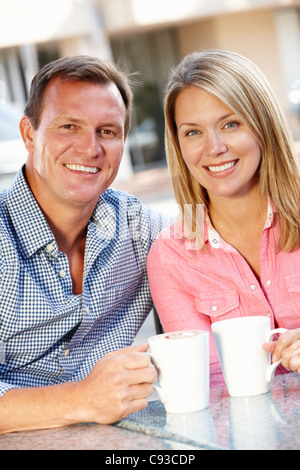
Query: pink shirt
{"points": [[193, 288]]}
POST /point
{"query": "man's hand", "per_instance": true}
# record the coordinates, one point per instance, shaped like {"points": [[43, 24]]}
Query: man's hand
{"points": [[118, 385], [286, 348]]}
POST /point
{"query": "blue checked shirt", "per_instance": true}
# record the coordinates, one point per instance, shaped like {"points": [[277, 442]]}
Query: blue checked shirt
{"points": [[48, 335]]}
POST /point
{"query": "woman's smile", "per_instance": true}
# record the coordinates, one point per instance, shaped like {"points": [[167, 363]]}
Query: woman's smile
{"points": [[220, 168]]}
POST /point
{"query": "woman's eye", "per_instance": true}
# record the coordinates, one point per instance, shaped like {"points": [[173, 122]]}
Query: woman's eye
{"points": [[194, 132], [230, 125]]}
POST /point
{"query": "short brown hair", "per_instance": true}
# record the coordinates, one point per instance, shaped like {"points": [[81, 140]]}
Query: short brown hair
{"points": [[81, 68]]}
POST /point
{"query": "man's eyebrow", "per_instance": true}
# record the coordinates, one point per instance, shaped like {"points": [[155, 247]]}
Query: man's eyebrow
{"points": [[72, 120], [66, 117]]}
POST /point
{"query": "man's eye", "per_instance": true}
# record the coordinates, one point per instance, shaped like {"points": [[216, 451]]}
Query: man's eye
{"points": [[107, 133], [68, 126]]}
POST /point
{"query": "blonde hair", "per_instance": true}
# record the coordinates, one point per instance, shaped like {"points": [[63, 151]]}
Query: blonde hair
{"points": [[241, 86]]}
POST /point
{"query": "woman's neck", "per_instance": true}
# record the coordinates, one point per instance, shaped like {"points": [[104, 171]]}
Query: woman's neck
{"points": [[238, 213], [240, 223]]}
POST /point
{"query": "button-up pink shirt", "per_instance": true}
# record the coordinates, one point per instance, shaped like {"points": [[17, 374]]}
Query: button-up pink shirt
{"points": [[193, 288]]}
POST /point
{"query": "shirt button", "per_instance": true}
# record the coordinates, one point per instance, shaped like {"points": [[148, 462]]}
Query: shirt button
{"points": [[66, 352], [268, 282], [87, 310], [50, 247], [62, 273], [214, 308], [253, 287]]}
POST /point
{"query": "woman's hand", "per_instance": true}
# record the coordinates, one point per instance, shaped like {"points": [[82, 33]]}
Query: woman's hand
{"points": [[286, 348]]}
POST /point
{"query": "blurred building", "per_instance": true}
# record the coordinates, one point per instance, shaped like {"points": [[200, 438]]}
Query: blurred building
{"points": [[150, 37]]}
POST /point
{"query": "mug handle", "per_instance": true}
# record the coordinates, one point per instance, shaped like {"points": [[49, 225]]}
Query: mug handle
{"points": [[157, 388], [271, 369]]}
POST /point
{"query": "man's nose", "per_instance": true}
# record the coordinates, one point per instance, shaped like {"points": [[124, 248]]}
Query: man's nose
{"points": [[90, 144]]}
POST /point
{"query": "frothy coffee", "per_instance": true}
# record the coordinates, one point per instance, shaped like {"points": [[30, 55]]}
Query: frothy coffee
{"points": [[176, 335], [180, 335]]}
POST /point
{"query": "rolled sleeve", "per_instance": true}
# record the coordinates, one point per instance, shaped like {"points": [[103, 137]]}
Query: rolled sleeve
{"points": [[5, 387]]}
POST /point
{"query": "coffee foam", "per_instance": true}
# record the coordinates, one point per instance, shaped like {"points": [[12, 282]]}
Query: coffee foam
{"points": [[176, 335]]}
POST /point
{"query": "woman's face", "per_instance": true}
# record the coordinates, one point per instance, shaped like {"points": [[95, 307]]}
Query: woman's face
{"points": [[219, 150]]}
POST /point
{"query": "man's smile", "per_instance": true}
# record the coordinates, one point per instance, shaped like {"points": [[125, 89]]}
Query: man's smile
{"points": [[85, 169]]}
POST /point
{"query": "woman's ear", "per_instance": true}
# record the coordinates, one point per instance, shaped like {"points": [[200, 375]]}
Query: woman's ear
{"points": [[27, 133]]}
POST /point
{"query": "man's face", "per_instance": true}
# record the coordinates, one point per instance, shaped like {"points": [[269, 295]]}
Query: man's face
{"points": [[75, 153]]}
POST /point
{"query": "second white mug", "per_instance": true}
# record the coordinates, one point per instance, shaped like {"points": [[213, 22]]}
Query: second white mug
{"points": [[247, 368]]}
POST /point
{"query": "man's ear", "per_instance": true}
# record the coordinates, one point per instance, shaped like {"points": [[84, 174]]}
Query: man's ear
{"points": [[27, 133]]}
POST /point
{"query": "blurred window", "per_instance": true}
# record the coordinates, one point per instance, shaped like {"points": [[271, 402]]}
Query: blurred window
{"points": [[151, 55], [47, 53], [9, 122]]}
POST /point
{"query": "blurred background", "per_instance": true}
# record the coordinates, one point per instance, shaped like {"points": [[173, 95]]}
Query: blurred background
{"points": [[145, 36], [149, 37]]}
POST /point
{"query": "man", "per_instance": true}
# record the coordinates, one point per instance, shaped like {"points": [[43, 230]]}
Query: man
{"points": [[73, 286]]}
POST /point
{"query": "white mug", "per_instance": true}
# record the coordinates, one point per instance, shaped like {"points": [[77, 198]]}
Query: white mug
{"points": [[246, 367], [182, 362]]}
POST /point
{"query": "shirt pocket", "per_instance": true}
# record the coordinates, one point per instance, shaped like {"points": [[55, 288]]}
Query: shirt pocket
{"points": [[224, 304], [293, 287]]}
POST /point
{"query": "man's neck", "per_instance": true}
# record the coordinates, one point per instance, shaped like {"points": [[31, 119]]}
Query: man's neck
{"points": [[68, 222], [69, 227], [70, 236]]}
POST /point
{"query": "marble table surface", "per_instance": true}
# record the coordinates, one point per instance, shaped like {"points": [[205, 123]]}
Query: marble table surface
{"points": [[269, 422]]}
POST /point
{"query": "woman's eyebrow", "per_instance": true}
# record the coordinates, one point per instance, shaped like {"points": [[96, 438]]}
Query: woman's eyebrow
{"points": [[226, 116]]}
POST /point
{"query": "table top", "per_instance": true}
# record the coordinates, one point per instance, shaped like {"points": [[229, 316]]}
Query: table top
{"points": [[269, 421]]}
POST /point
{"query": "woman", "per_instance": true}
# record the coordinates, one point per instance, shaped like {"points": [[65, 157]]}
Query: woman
{"points": [[236, 249]]}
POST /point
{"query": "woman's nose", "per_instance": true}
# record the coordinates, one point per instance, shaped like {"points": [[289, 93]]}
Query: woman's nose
{"points": [[215, 144]]}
